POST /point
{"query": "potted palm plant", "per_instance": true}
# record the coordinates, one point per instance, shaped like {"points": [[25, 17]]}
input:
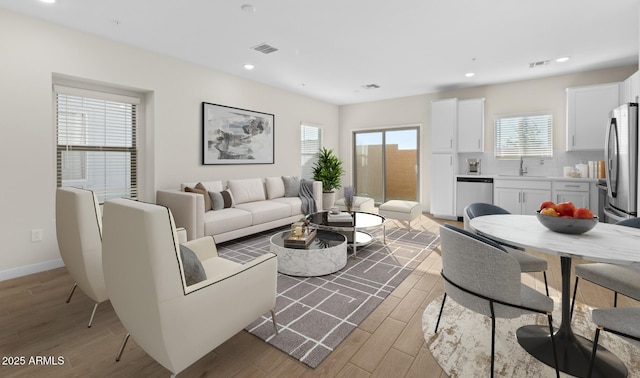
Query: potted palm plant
{"points": [[328, 169]]}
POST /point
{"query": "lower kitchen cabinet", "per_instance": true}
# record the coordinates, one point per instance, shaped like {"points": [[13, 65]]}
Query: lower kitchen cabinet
{"points": [[521, 196], [576, 192]]}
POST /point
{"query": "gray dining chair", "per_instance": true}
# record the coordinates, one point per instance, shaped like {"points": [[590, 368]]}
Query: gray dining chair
{"points": [[528, 262], [480, 275], [622, 321], [618, 278]]}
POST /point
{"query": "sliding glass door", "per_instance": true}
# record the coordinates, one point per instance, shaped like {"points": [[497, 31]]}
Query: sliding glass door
{"points": [[386, 164]]}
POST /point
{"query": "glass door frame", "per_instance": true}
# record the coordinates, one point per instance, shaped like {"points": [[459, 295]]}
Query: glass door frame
{"points": [[384, 130]]}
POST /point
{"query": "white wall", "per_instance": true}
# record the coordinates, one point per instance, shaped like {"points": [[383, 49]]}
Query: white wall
{"points": [[33, 51], [546, 94]]}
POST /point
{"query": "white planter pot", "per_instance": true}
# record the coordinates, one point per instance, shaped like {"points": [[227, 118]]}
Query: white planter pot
{"points": [[328, 200]]}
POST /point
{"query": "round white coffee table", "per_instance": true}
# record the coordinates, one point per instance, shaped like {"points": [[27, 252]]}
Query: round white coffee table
{"points": [[326, 254]]}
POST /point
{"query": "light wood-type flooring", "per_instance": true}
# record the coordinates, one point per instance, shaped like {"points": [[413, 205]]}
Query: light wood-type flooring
{"points": [[36, 321]]}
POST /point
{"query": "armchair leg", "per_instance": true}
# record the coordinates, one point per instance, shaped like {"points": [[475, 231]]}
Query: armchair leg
{"points": [[615, 299], [73, 289], [553, 344], [573, 301], [493, 342], [444, 298], [593, 352], [546, 285], [273, 319], [93, 313], [124, 343]]}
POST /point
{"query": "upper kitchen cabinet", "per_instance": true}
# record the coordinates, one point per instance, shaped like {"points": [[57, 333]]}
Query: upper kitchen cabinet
{"points": [[630, 91], [444, 116], [471, 125], [587, 114]]}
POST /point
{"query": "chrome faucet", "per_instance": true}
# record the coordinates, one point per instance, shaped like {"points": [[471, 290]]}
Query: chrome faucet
{"points": [[523, 170]]}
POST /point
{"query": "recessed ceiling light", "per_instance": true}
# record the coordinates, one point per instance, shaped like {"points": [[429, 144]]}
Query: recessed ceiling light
{"points": [[563, 59], [248, 67], [248, 8], [469, 74], [48, 1]]}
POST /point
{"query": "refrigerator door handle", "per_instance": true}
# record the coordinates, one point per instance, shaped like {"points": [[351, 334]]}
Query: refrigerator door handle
{"points": [[611, 158], [613, 216]]}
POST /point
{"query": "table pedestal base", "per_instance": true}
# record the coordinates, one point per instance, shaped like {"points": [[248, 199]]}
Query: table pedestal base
{"points": [[574, 352]]}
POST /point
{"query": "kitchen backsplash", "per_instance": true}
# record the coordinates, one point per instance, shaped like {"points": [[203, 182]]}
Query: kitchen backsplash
{"points": [[552, 167]]}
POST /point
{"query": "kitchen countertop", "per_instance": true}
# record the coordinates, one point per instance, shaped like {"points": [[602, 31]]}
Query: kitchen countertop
{"points": [[531, 178]]}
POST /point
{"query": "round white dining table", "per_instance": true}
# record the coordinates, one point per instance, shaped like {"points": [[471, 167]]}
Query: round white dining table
{"points": [[604, 243]]}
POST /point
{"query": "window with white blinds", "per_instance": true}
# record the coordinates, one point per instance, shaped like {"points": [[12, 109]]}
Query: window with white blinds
{"points": [[310, 143], [96, 142], [525, 135]]}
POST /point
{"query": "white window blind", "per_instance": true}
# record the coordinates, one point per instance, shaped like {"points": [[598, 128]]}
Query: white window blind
{"points": [[527, 135], [96, 142], [310, 142]]}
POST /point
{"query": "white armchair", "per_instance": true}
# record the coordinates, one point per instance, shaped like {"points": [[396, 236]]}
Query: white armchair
{"points": [[79, 234], [145, 275]]}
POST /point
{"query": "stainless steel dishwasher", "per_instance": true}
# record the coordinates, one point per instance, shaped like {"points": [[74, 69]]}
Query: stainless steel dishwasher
{"points": [[472, 189]]}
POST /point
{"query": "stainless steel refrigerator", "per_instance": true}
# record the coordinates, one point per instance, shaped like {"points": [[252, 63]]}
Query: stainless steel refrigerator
{"points": [[621, 161]]}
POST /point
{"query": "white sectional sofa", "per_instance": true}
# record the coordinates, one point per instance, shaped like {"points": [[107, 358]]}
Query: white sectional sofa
{"points": [[258, 205]]}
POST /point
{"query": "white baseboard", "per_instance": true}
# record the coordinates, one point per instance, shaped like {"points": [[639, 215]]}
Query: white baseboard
{"points": [[30, 269]]}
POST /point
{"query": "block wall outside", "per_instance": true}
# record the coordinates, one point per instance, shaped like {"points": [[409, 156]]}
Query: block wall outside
{"points": [[401, 173]]}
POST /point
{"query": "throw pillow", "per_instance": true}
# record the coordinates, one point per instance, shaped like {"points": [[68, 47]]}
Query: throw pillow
{"points": [[200, 189], [221, 200], [275, 187], [192, 267], [291, 186]]}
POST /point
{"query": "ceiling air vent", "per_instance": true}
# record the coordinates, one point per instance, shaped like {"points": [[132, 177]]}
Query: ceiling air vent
{"points": [[371, 86], [539, 64], [264, 48]]}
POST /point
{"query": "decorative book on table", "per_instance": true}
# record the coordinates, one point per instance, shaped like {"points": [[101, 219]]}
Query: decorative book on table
{"points": [[302, 241], [341, 219]]}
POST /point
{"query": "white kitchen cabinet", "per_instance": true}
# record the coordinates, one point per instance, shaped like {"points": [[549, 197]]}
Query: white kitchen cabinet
{"points": [[442, 185], [471, 125], [587, 115], [630, 89], [444, 116], [521, 196], [567, 191]]}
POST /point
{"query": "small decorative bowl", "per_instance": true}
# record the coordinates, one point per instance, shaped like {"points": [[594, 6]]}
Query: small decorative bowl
{"points": [[561, 225]]}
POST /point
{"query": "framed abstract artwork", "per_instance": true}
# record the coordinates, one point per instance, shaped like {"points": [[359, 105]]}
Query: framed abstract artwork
{"points": [[236, 136]]}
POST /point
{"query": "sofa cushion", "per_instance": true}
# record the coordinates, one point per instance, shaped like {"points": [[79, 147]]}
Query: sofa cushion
{"points": [[266, 211], [291, 186], [200, 189], [191, 266], [295, 203], [211, 186], [221, 200], [247, 190], [275, 187], [225, 220]]}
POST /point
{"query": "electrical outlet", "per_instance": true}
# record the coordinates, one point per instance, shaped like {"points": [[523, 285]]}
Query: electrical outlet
{"points": [[36, 235]]}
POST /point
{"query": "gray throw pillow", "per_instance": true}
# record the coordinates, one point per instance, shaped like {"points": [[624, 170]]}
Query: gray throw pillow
{"points": [[193, 269], [291, 186], [221, 200]]}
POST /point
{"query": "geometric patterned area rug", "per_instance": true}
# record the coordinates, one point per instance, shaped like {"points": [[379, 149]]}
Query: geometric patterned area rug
{"points": [[315, 314], [462, 346]]}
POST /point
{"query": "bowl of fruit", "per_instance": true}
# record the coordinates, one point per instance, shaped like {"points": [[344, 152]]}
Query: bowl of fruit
{"points": [[565, 218]]}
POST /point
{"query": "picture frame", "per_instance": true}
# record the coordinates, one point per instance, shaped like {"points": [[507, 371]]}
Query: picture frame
{"points": [[236, 136]]}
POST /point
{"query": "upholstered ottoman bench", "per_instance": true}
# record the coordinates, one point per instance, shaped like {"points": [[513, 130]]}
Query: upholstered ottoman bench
{"points": [[400, 210], [364, 204]]}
